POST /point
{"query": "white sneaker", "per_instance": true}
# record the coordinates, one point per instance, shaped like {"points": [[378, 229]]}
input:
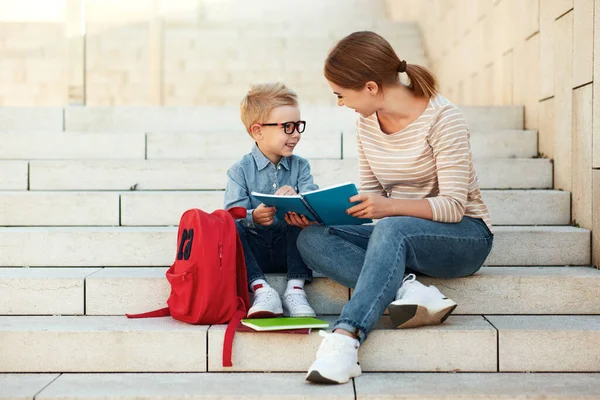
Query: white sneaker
{"points": [[337, 359], [267, 304], [418, 305], [295, 304]]}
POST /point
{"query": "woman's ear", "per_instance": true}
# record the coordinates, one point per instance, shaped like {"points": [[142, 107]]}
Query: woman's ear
{"points": [[256, 132], [372, 88]]}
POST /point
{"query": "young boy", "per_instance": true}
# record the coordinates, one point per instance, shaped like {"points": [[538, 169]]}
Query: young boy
{"points": [[271, 116]]}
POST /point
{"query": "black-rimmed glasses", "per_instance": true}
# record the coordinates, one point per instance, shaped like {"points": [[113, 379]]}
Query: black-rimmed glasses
{"points": [[289, 127]]}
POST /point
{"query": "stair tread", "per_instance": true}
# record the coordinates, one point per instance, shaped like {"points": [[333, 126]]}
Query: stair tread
{"points": [[224, 386]]}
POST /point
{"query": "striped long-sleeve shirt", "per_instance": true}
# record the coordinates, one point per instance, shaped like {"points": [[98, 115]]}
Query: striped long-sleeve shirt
{"points": [[429, 159]]}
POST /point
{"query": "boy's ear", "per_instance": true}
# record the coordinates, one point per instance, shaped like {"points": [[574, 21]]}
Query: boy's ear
{"points": [[256, 131]]}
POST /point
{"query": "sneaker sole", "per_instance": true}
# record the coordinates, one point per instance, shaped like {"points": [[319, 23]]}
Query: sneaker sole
{"points": [[414, 315], [316, 377], [263, 314], [286, 314]]}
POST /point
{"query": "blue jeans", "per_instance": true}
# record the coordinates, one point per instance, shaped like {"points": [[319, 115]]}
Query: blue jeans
{"points": [[272, 249], [374, 259]]}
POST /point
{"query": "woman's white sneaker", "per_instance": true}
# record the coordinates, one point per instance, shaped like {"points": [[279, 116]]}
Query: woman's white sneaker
{"points": [[418, 305], [295, 304], [337, 359], [266, 304]]}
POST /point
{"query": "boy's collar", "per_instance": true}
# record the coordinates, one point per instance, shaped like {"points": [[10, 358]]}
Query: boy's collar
{"points": [[262, 161]]}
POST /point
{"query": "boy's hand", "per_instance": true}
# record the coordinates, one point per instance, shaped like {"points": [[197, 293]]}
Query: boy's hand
{"points": [[263, 215], [285, 191], [298, 220]]}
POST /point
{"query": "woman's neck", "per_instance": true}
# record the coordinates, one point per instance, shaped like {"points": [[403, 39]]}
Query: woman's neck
{"points": [[400, 107]]}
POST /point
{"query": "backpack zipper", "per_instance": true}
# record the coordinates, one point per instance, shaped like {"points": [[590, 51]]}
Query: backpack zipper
{"points": [[220, 255]]}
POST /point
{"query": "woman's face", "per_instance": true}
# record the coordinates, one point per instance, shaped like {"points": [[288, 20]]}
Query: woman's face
{"points": [[364, 101]]}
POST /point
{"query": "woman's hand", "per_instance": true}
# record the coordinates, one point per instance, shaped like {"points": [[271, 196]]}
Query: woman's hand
{"points": [[298, 220], [372, 205], [285, 191], [263, 215]]}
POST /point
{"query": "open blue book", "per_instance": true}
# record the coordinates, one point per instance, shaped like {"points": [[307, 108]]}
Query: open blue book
{"points": [[327, 206]]}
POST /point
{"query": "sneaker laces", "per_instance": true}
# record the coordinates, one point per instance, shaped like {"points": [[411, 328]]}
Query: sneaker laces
{"points": [[405, 287], [297, 298], [266, 295], [330, 346]]}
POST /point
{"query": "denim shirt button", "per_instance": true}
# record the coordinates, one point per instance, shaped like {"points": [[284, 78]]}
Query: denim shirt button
{"points": [[274, 185]]}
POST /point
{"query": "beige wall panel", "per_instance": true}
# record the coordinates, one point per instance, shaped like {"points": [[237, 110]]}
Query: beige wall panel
{"points": [[596, 219], [547, 44], [529, 10], [559, 7], [546, 127], [531, 71], [117, 54], [583, 42], [33, 63], [563, 102], [520, 85], [596, 138], [488, 40], [485, 7], [582, 156], [507, 78], [404, 10]]}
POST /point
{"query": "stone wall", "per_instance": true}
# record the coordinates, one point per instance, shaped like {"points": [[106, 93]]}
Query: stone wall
{"points": [[176, 52], [540, 53]]}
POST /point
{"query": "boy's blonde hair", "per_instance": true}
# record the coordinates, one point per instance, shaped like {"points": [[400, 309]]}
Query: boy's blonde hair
{"points": [[261, 99]]}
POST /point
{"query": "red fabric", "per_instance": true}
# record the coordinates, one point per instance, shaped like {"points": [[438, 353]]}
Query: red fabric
{"points": [[208, 278], [163, 312]]}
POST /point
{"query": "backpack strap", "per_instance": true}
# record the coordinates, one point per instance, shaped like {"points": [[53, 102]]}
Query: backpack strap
{"points": [[241, 274], [230, 332], [163, 312], [242, 290]]}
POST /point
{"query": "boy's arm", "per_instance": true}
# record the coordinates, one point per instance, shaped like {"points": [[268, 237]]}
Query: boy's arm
{"points": [[305, 178], [236, 195]]}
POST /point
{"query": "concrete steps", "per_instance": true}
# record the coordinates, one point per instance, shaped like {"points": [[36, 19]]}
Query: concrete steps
{"points": [[462, 343], [135, 119], [81, 175], [154, 246], [116, 291], [156, 208], [224, 386], [335, 145]]}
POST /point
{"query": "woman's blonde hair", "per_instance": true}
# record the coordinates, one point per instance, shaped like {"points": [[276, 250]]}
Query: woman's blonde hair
{"points": [[366, 56], [261, 99]]}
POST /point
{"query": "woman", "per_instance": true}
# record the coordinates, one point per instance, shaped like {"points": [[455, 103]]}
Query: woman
{"points": [[417, 176]]}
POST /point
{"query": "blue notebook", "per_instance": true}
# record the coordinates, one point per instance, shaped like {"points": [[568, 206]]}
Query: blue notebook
{"points": [[327, 206]]}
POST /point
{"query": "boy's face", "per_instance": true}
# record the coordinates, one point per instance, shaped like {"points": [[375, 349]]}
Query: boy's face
{"points": [[272, 140]]}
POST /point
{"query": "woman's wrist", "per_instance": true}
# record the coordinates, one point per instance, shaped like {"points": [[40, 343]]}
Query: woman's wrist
{"points": [[412, 208]]}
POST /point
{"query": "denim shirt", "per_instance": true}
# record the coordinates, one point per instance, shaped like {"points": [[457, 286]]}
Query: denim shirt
{"points": [[255, 173]]}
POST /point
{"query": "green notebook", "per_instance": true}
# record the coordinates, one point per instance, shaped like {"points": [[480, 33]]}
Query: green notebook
{"points": [[283, 323]]}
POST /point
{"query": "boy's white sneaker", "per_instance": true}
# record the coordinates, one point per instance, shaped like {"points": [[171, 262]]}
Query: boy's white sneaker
{"points": [[267, 304], [418, 305], [295, 304], [337, 359]]}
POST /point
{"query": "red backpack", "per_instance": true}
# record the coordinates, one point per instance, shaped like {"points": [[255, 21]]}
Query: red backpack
{"points": [[208, 278]]}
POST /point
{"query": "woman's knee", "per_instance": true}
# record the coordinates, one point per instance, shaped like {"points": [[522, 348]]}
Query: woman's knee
{"points": [[392, 227], [309, 237]]}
